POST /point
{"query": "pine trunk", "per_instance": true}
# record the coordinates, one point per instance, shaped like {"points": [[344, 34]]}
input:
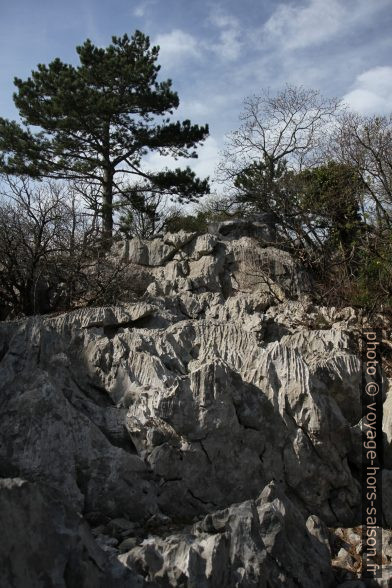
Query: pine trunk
{"points": [[107, 208]]}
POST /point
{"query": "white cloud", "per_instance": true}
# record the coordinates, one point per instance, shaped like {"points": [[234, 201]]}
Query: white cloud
{"points": [[155, 162], [222, 19], [205, 103], [203, 166], [372, 92], [297, 27], [194, 108], [141, 9], [208, 158], [229, 45], [316, 21], [177, 47]]}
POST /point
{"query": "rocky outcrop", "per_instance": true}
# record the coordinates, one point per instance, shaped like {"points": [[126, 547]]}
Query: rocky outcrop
{"points": [[266, 542], [203, 435], [46, 543]]}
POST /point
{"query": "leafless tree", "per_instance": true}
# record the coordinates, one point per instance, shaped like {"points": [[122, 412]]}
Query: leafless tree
{"points": [[287, 126], [216, 207], [366, 144], [44, 239], [50, 253]]}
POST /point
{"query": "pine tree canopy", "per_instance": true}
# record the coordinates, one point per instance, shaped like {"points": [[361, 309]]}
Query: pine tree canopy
{"points": [[98, 120]]}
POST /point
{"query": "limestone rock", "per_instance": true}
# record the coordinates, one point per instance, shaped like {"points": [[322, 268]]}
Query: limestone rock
{"points": [[223, 394], [45, 543], [262, 543]]}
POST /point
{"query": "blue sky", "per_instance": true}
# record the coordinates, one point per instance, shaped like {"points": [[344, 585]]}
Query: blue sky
{"points": [[217, 52]]}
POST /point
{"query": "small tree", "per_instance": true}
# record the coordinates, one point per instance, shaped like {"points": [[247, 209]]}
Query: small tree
{"points": [[330, 197], [260, 191], [98, 121]]}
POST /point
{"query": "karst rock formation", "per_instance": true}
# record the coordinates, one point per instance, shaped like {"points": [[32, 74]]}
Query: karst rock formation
{"points": [[206, 434]]}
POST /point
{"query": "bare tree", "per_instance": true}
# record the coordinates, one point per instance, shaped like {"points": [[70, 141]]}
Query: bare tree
{"points": [[44, 239], [366, 144], [279, 135], [50, 253], [216, 207], [287, 126]]}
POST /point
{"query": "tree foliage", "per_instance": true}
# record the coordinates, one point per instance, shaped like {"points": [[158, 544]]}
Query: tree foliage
{"points": [[98, 120], [332, 194], [49, 257]]}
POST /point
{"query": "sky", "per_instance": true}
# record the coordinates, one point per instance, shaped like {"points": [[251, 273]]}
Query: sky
{"points": [[217, 53]]}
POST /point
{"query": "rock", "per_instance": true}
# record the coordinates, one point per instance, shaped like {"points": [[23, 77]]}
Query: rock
{"points": [[299, 548], [121, 527], [203, 245], [387, 497], [263, 543], [100, 530], [156, 251], [158, 520], [261, 226], [223, 394], [127, 544], [386, 580], [60, 428], [352, 584], [344, 559], [107, 544], [269, 270], [44, 542], [318, 530]]}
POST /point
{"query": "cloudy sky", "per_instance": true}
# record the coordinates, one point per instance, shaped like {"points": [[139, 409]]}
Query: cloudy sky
{"points": [[215, 52]]}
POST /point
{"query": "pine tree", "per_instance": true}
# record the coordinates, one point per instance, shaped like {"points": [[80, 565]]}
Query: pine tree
{"points": [[98, 120]]}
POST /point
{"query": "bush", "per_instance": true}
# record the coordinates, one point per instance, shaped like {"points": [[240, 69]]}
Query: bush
{"points": [[190, 223]]}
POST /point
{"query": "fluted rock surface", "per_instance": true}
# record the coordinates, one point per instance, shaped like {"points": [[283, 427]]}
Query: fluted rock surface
{"points": [[204, 435]]}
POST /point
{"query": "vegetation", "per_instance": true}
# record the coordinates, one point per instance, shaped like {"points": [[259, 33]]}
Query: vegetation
{"points": [[326, 176], [97, 121], [73, 181]]}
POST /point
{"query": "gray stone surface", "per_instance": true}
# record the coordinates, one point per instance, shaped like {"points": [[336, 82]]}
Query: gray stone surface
{"points": [[45, 543], [254, 543], [222, 396]]}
